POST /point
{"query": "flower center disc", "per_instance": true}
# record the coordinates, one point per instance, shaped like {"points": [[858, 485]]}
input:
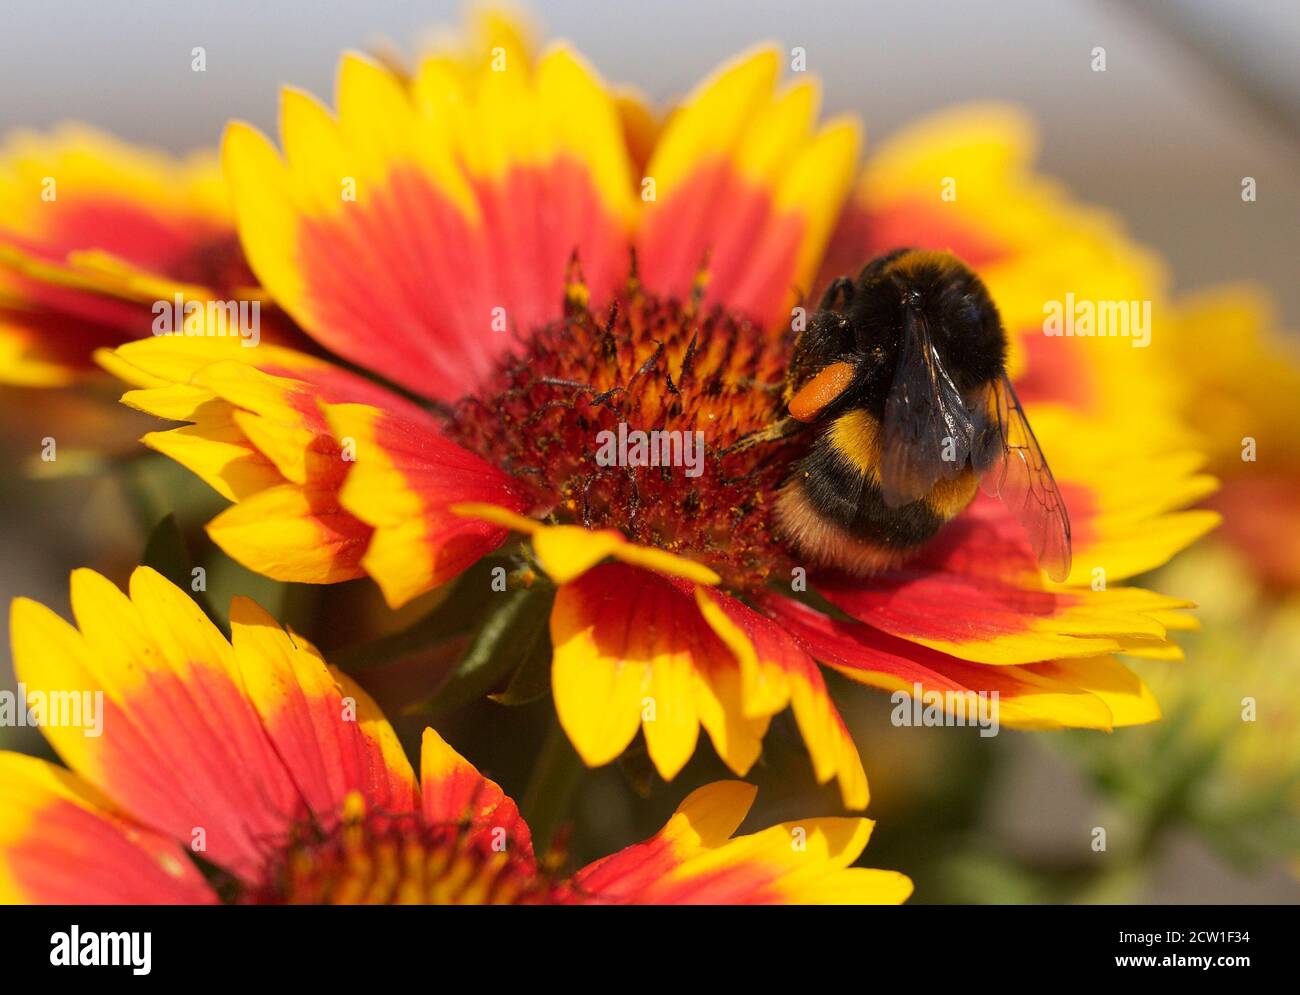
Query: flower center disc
{"points": [[377, 859], [630, 420]]}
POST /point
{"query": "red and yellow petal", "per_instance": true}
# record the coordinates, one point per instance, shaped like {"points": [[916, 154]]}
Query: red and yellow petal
{"points": [[106, 194], [39, 349], [182, 749], [565, 552], [745, 181], [221, 748], [1130, 503], [695, 860], [419, 227], [61, 845], [1127, 696], [779, 672], [332, 476], [486, 30], [1094, 693], [456, 793], [642, 126], [294, 533], [279, 420], [976, 594], [667, 662], [403, 480], [257, 436], [632, 651], [331, 735]]}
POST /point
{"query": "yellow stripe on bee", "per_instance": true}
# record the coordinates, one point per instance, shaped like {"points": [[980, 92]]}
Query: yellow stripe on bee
{"points": [[855, 435], [919, 261], [948, 498]]}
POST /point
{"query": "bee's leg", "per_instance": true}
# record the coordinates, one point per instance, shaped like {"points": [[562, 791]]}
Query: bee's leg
{"points": [[841, 286], [775, 432], [827, 337]]}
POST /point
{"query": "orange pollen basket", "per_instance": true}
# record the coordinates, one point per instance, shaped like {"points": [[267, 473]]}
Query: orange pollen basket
{"points": [[386, 860], [629, 418]]}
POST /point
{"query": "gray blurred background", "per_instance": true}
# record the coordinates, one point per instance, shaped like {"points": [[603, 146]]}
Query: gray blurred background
{"points": [[1196, 96]]}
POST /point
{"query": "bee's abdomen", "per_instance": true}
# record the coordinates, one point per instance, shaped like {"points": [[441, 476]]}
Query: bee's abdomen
{"points": [[844, 494], [833, 511]]}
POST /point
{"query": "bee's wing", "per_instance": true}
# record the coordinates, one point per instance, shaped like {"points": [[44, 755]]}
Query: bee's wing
{"points": [[1014, 469], [928, 432]]}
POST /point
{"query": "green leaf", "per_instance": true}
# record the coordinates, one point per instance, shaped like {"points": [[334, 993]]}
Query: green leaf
{"points": [[456, 615], [532, 681], [165, 551], [504, 640]]}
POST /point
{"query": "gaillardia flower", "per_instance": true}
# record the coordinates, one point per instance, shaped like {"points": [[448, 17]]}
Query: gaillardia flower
{"points": [[485, 240], [93, 234], [1240, 376], [283, 777]]}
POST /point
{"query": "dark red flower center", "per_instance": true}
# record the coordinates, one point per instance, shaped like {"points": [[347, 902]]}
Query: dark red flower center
{"points": [[381, 859], [630, 418]]}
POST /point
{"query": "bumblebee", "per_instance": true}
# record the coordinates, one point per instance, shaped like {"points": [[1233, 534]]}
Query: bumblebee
{"points": [[902, 373]]}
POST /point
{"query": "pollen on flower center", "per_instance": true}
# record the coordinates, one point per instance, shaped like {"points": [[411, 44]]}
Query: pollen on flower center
{"points": [[381, 859], [564, 415]]}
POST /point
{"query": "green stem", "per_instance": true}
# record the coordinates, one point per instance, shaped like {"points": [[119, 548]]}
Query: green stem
{"points": [[552, 787]]}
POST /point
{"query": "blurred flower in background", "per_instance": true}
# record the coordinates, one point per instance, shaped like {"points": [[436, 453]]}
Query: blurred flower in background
{"points": [[113, 229], [1239, 377]]}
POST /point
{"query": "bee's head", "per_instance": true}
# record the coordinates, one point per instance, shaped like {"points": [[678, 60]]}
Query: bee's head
{"points": [[905, 292], [910, 286]]}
